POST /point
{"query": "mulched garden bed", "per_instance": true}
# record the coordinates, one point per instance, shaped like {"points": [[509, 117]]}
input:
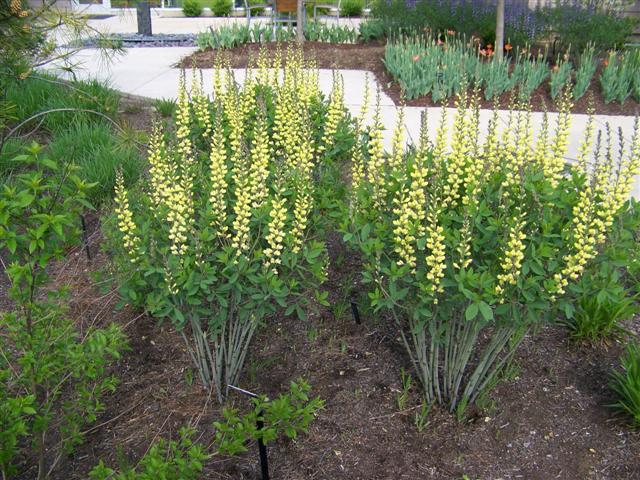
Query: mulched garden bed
{"points": [[370, 56], [548, 419]]}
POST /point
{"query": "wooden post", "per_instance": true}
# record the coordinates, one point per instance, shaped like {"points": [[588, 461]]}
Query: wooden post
{"points": [[300, 22], [499, 29]]}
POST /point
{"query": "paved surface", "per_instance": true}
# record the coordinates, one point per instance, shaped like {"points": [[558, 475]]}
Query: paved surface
{"points": [[148, 72], [124, 21]]}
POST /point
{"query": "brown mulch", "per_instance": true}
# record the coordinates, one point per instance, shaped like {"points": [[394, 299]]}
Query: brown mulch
{"points": [[369, 56], [548, 419]]}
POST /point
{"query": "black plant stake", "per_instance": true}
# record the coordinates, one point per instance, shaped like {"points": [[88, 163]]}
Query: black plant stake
{"points": [[262, 448], [355, 312], [85, 237]]}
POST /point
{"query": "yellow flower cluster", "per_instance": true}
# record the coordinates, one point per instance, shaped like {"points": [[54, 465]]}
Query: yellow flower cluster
{"points": [[513, 255], [397, 143], [126, 225], [459, 156], [301, 210], [180, 215], [183, 128], [276, 233], [404, 237], [555, 163], [435, 261], [376, 166], [218, 191], [259, 170], [160, 170], [201, 105], [335, 114], [600, 200]]}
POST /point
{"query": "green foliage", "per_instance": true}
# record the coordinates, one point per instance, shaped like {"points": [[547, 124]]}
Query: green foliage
{"points": [[602, 302], [289, 414], [603, 29], [371, 29], [618, 76], [626, 385], [420, 417], [180, 459], [99, 154], [321, 32], [165, 107], [221, 8], [560, 76], [585, 71], [230, 36], [403, 396], [43, 353], [192, 8], [530, 71], [351, 8]]}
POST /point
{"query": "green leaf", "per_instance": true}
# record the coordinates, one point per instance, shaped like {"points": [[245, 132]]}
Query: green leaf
{"points": [[471, 312], [486, 311]]}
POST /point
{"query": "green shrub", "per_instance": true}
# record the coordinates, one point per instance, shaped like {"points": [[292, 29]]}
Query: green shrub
{"points": [[289, 415], [560, 76], [180, 459], [626, 385], [469, 245], [192, 8], [53, 377], [213, 243], [371, 29], [601, 304], [351, 8], [221, 8], [99, 154], [617, 77]]}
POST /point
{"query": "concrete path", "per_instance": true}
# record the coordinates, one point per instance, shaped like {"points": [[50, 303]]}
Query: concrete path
{"points": [[148, 72], [124, 21]]}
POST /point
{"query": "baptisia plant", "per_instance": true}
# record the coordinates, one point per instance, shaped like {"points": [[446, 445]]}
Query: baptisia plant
{"points": [[224, 231], [469, 245]]}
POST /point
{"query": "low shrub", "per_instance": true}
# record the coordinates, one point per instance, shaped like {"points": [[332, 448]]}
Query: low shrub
{"points": [[618, 76], [52, 376], [584, 73], [470, 245], [371, 29], [626, 385], [192, 8], [351, 8], [165, 106], [180, 459], [290, 414], [221, 8], [223, 232]]}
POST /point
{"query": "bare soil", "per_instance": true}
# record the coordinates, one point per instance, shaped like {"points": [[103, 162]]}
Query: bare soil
{"points": [[547, 419], [370, 56]]}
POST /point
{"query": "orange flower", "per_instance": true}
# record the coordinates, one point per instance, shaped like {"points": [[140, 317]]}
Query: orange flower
{"points": [[415, 58], [507, 47], [555, 68], [451, 32], [490, 52], [605, 62]]}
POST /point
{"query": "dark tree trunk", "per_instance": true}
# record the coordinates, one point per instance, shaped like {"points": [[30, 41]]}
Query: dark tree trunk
{"points": [[144, 18]]}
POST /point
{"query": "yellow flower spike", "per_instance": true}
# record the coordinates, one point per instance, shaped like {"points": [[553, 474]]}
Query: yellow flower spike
{"points": [[376, 166], [335, 114], [542, 144], [435, 261], [130, 239], [366, 97], [161, 171], [201, 105], [276, 232], [587, 143], [491, 145], [404, 239], [218, 191], [301, 210], [512, 254], [397, 143], [441, 138], [555, 163], [259, 170]]}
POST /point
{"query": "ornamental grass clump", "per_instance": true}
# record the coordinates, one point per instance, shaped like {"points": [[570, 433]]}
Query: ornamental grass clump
{"points": [[468, 245], [225, 229]]}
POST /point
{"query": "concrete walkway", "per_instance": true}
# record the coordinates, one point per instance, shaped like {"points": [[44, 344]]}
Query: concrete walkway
{"points": [[125, 21], [149, 72]]}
